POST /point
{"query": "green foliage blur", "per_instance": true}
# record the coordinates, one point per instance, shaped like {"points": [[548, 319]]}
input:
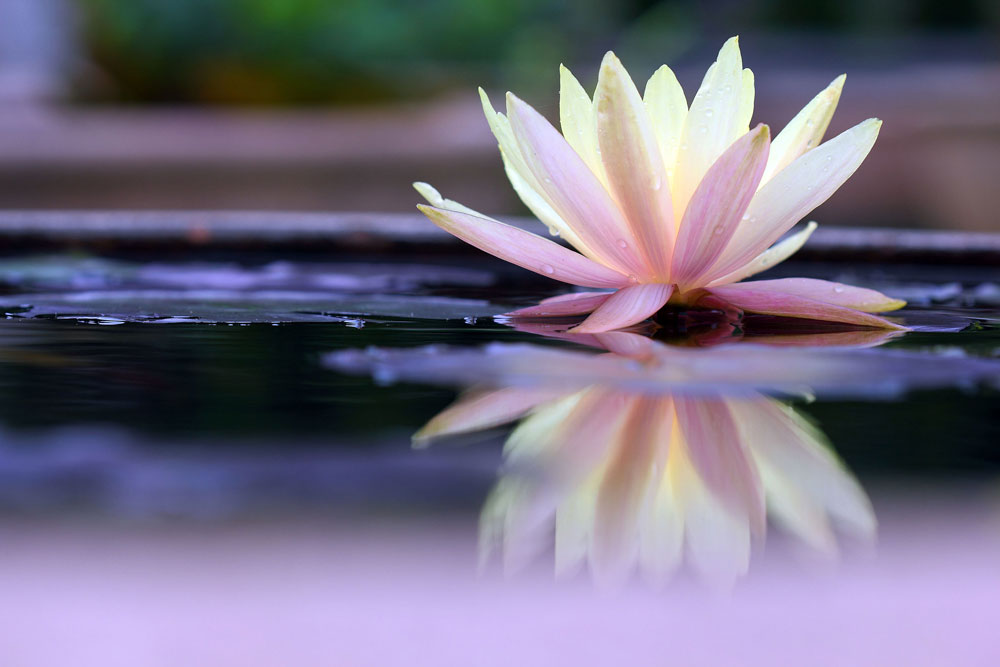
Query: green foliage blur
{"points": [[294, 52], [321, 51]]}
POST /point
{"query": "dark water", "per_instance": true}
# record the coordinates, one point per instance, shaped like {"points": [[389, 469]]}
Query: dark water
{"points": [[151, 390]]}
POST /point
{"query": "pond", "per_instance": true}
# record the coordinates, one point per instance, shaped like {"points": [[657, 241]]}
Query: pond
{"points": [[363, 442]]}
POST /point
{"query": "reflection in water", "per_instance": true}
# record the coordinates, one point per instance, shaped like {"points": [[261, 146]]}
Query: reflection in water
{"points": [[642, 482], [642, 456]]}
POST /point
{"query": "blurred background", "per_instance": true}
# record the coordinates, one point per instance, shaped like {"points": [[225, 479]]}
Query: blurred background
{"points": [[341, 104]]}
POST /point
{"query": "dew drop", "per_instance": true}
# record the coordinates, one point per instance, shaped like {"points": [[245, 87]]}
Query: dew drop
{"points": [[709, 113], [622, 244], [547, 269], [829, 158], [746, 216], [718, 230], [810, 123], [703, 129], [838, 289]]}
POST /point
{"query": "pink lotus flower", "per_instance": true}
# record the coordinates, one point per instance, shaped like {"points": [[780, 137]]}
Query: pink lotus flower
{"points": [[666, 203]]}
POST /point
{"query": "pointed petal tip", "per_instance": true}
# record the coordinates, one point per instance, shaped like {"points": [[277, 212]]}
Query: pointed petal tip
{"points": [[610, 60]]}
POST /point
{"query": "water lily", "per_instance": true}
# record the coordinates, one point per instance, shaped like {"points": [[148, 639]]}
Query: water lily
{"points": [[667, 203]]}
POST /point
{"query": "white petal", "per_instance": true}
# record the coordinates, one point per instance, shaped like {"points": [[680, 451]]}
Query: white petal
{"points": [[525, 249], [795, 191], [774, 255], [575, 193], [633, 165], [715, 209], [578, 121], [667, 109], [718, 116], [524, 181], [806, 130]]}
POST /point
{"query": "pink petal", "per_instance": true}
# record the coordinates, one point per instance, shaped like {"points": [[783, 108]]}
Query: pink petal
{"points": [[635, 169], [626, 307], [525, 249], [634, 468], [720, 456], [774, 255], [767, 302], [575, 192], [718, 204], [795, 191], [837, 294], [477, 411], [578, 303], [627, 344]]}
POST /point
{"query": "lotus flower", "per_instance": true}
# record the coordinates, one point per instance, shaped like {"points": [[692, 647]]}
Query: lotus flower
{"points": [[666, 203], [644, 482]]}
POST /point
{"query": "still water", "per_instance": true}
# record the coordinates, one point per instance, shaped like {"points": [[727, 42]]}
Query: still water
{"points": [[186, 448]]}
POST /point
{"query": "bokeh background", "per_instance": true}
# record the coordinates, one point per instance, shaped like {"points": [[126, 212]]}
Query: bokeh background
{"points": [[340, 104]]}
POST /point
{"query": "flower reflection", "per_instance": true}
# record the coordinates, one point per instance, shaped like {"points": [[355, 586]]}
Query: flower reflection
{"points": [[642, 482]]}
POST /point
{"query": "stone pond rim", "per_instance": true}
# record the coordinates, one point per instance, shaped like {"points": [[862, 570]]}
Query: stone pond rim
{"points": [[103, 231]]}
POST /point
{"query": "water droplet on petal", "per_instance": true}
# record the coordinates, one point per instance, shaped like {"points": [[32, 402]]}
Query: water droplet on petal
{"points": [[718, 230], [746, 216], [547, 269], [838, 289], [810, 123], [709, 113], [703, 129], [622, 243]]}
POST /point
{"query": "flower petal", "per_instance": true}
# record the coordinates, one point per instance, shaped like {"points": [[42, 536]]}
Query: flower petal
{"points": [[774, 255], [630, 478], [578, 121], [718, 116], [635, 170], [573, 190], [434, 198], [525, 249], [524, 181], [479, 410], [667, 108], [577, 303], [805, 481], [804, 131], [717, 205], [626, 307], [837, 294], [767, 302], [795, 191], [721, 457]]}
